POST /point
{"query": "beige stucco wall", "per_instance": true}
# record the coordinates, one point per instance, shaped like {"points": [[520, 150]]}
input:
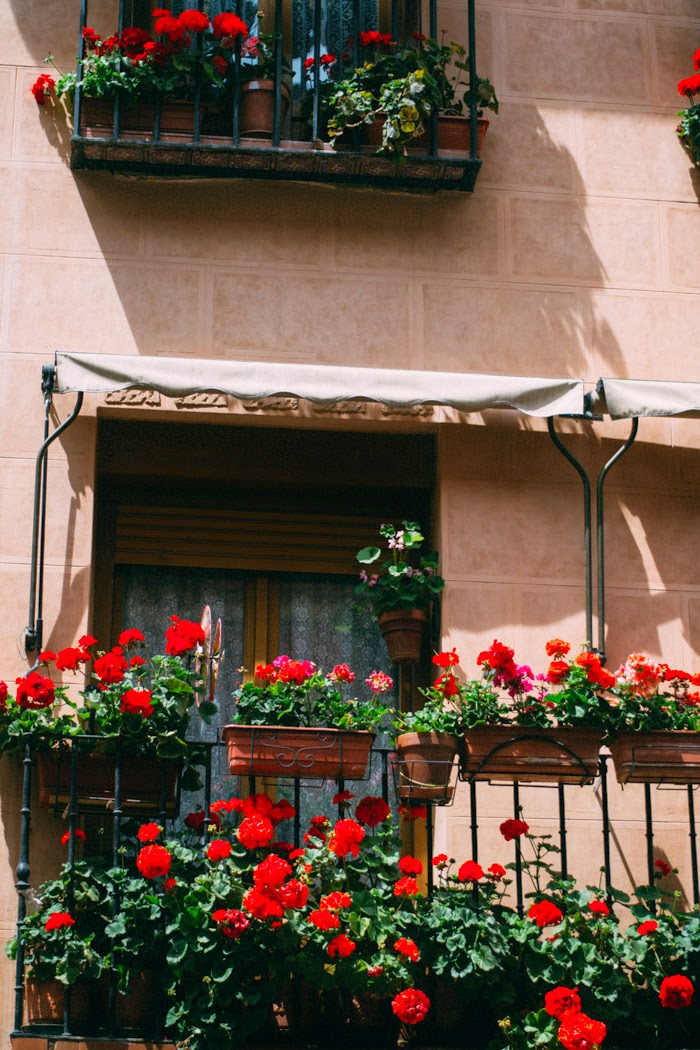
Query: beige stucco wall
{"points": [[575, 256]]}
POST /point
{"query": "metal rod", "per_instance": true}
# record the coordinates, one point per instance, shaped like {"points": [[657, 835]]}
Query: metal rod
{"points": [[562, 830], [518, 851], [600, 540], [34, 630], [587, 536], [473, 820], [429, 834], [297, 814], [693, 846], [473, 125], [78, 100], [649, 834], [72, 817], [606, 823], [22, 877], [277, 98]]}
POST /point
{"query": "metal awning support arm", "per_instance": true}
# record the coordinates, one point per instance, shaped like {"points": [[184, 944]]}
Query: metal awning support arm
{"points": [[587, 532], [600, 534], [600, 530], [34, 630]]}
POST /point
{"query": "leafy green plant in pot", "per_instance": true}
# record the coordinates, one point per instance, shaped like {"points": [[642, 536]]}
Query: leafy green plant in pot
{"points": [[259, 75], [296, 721], [688, 129], [403, 589]]}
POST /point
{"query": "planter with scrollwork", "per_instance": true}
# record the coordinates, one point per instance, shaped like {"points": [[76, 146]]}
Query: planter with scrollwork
{"points": [[285, 751]]}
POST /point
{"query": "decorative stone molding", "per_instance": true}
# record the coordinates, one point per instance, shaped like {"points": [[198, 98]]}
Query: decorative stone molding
{"points": [[202, 399], [409, 410], [272, 404], [132, 397], [340, 408]]}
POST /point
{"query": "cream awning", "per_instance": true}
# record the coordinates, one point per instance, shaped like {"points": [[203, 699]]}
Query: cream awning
{"points": [[321, 384], [625, 398]]}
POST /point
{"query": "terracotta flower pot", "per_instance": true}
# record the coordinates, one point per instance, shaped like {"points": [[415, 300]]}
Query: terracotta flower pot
{"points": [[137, 119], [140, 781], [44, 1002], [568, 755], [403, 631], [424, 766], [661, 756], [454, 134], [290, 752], [257, 108]]}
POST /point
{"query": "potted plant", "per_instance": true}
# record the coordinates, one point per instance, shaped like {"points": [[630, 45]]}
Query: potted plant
{"points": [[399, 90], [688, 129], [403, 589], [259, 75], [427, 740], [148, 73], [655, 723], [295, 721], [132, 711]]}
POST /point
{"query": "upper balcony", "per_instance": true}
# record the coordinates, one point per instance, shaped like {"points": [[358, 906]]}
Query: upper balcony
{"points": [[339, 91]]}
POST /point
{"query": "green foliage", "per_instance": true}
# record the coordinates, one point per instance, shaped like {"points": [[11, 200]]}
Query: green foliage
{"points": [[403, 581], [688, 131]]}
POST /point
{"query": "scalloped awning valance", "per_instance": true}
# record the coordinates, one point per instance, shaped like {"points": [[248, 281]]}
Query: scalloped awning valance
{"points": [[320, 384], [627, 398]]}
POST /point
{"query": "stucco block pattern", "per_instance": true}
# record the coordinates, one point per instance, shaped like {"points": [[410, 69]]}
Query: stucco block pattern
{"points": [[662, 330]]}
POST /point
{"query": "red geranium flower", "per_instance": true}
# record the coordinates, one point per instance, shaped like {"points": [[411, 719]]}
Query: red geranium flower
{"points": [[446, 659], [557, 648], [557, 671], [410, 866], [131, 636], [372, 810], [405, 946], [341, 946], [598, 907], [343, 797], [562, 1000], [69, 659], [663, 869], [513, 829], [470, 871], [406, 887], [231, 922], [254, 832], [544, 913], [323, 919], [263, 904], [497, 871], [34, 691], [272, 871], [153, 861], [647, 927], [294, 894], [57, 920], [148, 832], [440, 860], [196, 820], [346, 838], [137, 702], [410, 1006], [77, 834], [227, 27], [42, 88], [581, 1032], [336, 900], [183, 636], [111, 667], [676, 992], [219, 849]]}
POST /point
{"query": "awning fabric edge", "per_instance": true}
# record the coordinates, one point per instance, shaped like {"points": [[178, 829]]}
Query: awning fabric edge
{"points": [[320, 384], [627, 398]]}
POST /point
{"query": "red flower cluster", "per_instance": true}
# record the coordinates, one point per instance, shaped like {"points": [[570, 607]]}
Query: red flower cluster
{"points": [[557, 648], [406, 887], [231, 922], [544, 913], [227, 27], [35, 692], [373, 38], [562, 1000], [410, 866], [229, 805], [496, 871], [111, 667], [343, 798], [218, 849], [598, 907], [58, 920], [153, 861], [595, 672], [578, 1031], [336, 900], [676, 992], [341, 946], [70, 658], [341, 672], [148, 832], [663, 870], [131, 636], [470, 871], [405, 946], [346, 838], [498, 658], [263, 904], [284, 669], [323, 919], [3, 695], [78, 833], [410, 1006], [183, 636], [440, 860], [42, 88], [255, 831], [294, 894], [272, 871], [137, 702], [196, 820], [647, 927], [371, 810], [513, 829]]}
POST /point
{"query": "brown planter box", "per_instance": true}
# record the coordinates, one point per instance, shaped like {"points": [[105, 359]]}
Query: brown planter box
{"points": [[136, 120], [424, 764], [454, 135], [661, 756], [283, 751], [568, 755], [44, 1002], [140, 781]]}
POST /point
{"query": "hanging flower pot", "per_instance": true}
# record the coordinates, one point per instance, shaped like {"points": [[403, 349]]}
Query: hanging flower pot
{"points": [[95, 781], [284, 751], [565, 755], [403, 631], [661, 756], [424, 764]]}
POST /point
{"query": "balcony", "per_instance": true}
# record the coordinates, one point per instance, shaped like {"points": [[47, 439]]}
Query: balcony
{"points": [[190, 115]]}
